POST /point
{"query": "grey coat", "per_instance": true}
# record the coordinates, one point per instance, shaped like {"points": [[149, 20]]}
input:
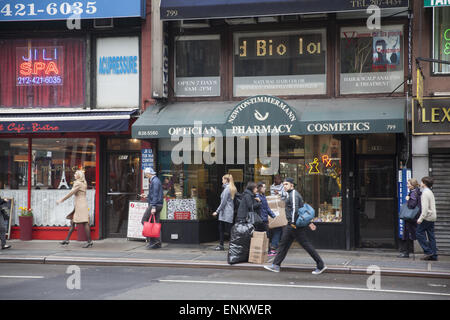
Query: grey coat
{"points": [[226, 207]]}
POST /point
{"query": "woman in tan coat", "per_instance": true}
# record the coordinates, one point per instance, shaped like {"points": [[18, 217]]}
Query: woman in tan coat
{"points": [[80, 214]]}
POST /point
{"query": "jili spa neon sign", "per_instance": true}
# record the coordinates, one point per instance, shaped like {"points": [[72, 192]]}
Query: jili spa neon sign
{"points": [[39, 66]]}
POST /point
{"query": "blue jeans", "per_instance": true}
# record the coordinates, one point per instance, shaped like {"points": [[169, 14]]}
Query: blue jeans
{"points": [[276, 236], [426, 230]]}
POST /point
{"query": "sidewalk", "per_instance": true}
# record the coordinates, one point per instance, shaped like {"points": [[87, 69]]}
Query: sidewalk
{"points": [[122, 252]]}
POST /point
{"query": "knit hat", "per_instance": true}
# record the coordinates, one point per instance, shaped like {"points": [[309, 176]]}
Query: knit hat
{"points": [[289, 179]]}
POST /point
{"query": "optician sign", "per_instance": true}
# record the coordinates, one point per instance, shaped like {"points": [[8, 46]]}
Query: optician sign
{"points": [[61, 10]]}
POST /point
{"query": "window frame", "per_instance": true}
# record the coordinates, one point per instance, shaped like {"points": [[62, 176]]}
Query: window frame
{"points": [[212, 36], [323, 30], [433, 46]]}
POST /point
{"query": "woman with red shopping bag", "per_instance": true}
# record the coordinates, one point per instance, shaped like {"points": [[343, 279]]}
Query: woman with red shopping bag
{"points": [[150, 220]]}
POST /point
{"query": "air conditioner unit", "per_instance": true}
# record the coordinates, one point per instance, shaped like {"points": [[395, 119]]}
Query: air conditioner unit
{"points": [[267, 19], [192, 24], [290, 18], [103, 23]]}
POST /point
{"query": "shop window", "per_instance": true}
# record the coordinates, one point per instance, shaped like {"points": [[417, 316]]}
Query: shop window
{"points": [[197, 66], [383, 143], [118, 144], [42, 73], [54, 164], [441, 39], [318, 175], [14, 173], [280, 63], [190, 190], [371, 61]]}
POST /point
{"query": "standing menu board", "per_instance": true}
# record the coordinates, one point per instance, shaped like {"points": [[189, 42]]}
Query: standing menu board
{"points": [[136, 210]]}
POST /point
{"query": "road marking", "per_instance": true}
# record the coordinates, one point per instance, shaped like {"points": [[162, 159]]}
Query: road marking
{"points": [[307, 287], [23, 277]]}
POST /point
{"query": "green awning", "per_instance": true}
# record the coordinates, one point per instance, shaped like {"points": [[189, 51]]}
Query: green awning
{"points": [[267, 114]]}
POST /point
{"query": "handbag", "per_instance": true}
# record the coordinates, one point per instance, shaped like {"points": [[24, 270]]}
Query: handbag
{"points": [[254, 218], [152, 229], [407, 213]]}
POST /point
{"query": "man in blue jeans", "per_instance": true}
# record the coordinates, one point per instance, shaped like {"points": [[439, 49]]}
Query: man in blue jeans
{"points": [[425, 223], [155, 204]]}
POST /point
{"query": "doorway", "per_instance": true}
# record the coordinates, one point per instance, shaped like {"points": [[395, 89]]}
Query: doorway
{"points": [[376, 202], [123, 184]]}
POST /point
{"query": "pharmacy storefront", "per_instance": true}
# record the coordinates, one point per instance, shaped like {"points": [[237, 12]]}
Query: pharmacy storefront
{"points": [[331, 147]]}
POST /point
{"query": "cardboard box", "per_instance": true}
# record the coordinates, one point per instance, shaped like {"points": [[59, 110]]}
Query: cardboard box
{"points": [[259, 247], [279, 221]]}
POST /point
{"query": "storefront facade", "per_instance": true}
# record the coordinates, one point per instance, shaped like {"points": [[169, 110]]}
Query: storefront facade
{"points": [[67, 94], [327, 92], [428, 110]]}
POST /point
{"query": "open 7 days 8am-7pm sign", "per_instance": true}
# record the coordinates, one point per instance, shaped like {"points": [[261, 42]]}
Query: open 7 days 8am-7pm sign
{"points": [[25, 10]]}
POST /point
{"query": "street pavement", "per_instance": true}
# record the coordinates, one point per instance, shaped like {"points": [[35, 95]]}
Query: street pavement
{"points": [[123, 252]]}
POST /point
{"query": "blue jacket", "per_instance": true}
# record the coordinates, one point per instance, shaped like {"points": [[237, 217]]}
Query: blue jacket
{"points": [[264, 211], [155, 193]]}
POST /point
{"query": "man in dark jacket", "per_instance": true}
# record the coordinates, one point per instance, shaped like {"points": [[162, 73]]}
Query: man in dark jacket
{"points": [[3, 219], [291, 232], [155, 204]]}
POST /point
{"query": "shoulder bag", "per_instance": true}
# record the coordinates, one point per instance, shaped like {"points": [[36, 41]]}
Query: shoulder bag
{"points": [[152, 229], [407, 213]]}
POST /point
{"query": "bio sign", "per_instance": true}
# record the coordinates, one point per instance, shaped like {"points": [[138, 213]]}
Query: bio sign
{"points": [[38, 66]]}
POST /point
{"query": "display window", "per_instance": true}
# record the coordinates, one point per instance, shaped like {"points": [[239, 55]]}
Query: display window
{"points": [[197, 66], [42, 72], [371, 60], [53, 165], [280, 63], [314, 162], [441, 39]]}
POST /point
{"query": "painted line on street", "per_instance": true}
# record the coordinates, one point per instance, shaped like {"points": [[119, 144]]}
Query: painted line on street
{"points": [[23, 277], [305, 287]]}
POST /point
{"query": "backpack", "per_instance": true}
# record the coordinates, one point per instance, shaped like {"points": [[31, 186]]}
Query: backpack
{"points": [[305, 215]]}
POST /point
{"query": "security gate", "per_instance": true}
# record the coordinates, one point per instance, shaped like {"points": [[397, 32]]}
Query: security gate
{"points": [[441, 188]]}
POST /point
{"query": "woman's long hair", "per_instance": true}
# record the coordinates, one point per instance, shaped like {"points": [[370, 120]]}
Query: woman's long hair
{"points": [[80, 175], [230, 180]]}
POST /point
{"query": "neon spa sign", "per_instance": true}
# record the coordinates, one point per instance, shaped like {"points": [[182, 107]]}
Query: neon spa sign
{"points": [[39, 66]]}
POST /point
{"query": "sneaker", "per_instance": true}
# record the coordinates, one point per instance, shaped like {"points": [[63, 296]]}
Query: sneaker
{"points": [[6, 246], [403, 255], [273, 268], [219, 248], [272, 253], [426, 257], [319, 271]]}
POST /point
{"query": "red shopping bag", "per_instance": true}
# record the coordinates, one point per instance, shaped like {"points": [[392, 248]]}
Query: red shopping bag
{"points": [[152, 229]]}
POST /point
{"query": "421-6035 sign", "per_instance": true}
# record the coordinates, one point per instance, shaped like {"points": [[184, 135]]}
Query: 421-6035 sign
{"points": [[433, 117]]}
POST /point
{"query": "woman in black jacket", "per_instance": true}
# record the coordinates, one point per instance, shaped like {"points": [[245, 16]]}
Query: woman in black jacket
{"points": [[249, 202]]}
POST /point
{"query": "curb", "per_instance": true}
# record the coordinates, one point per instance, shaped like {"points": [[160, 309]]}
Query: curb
{"points": [[357, 270]]}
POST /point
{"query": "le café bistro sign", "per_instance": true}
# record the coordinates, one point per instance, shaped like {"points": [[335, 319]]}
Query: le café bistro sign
{"points": [[433, 117]]}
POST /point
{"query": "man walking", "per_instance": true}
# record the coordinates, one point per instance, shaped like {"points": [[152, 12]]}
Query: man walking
{"points": [[155, 204], [425, 223], [291, 232]]}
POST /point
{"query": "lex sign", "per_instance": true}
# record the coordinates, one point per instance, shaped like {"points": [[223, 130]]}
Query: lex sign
{"points": [[432, 118]]}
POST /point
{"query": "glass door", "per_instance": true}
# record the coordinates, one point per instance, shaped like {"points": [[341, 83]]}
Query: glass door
{"points": [[376, 201], [123, 185]]}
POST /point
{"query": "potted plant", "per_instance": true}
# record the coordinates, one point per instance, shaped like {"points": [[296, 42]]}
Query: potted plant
{"points": [[26, 223]]}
